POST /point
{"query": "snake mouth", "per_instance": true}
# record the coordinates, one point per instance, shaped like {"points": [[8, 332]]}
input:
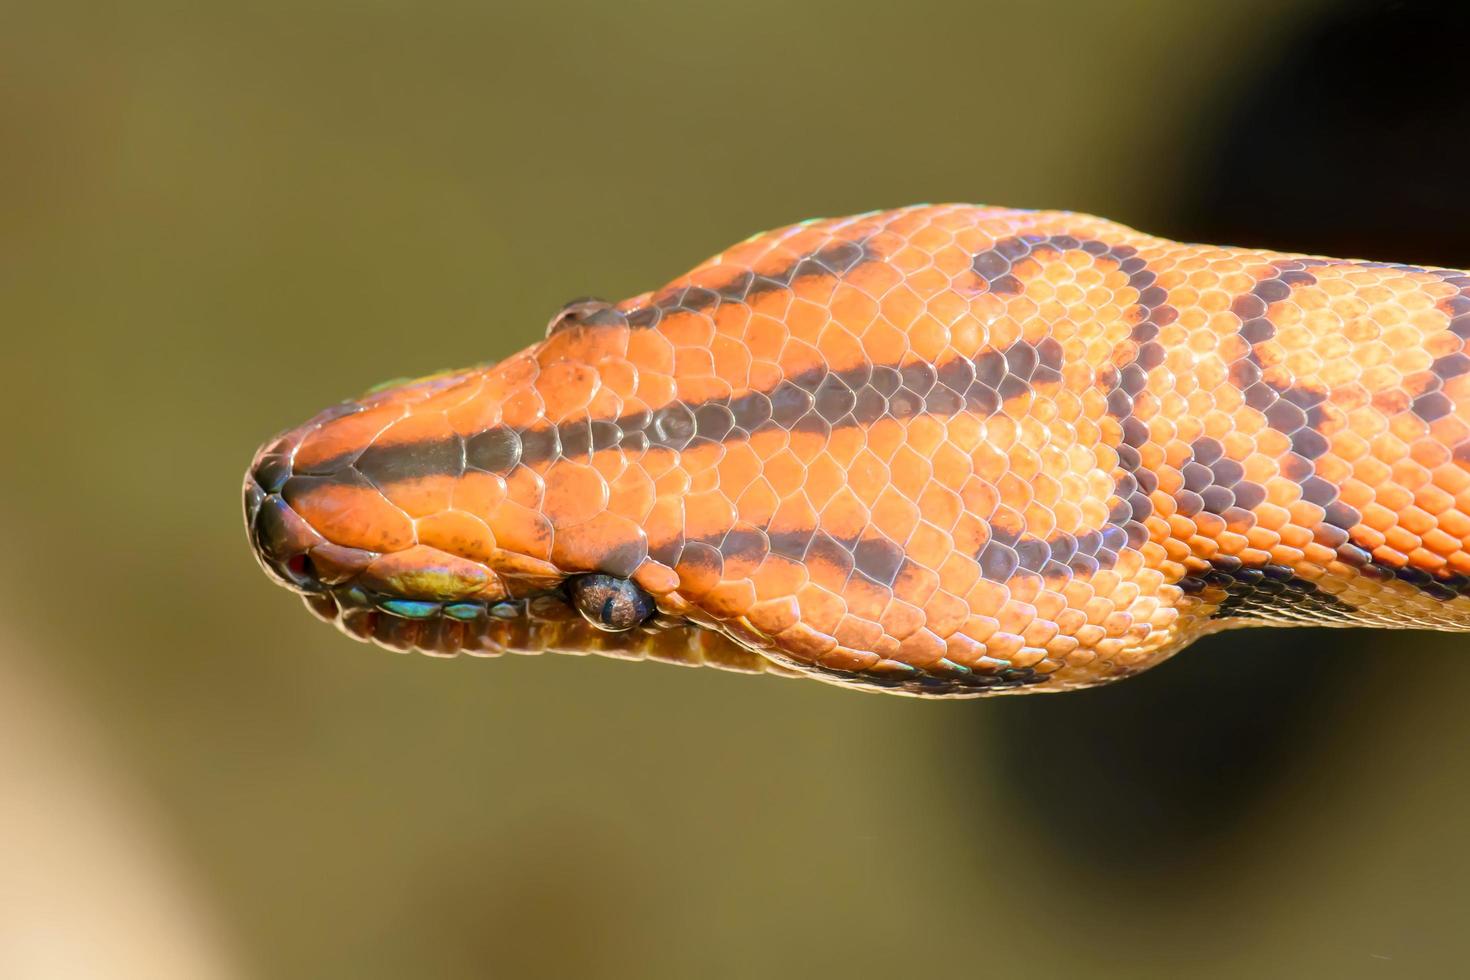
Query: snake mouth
{"points": [[338, 584], [331, 582], [329, 579]]}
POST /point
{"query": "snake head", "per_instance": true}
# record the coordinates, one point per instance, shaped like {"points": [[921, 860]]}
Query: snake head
{"points": [[894, 451], [411, 520]]}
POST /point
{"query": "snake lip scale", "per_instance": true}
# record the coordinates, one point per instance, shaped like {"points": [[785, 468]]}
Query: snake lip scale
{"points": [[943, 450]]}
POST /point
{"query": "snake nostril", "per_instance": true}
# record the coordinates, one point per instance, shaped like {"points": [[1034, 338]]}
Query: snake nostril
{"points": [[271, 471], [302, 571]]}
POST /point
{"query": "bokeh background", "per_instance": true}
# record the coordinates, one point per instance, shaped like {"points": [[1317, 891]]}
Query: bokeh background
{"points": [[216, 218]]}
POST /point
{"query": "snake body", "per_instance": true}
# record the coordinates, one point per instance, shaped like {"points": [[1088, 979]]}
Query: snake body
{"points": [[942, 450]]}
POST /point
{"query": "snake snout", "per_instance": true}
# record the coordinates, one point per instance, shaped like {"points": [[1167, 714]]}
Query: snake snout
{"points": [[288, 547]]}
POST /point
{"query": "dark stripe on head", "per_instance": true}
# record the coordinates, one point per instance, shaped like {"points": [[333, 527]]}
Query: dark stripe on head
{"points": [[815, 401], [835, 260]]}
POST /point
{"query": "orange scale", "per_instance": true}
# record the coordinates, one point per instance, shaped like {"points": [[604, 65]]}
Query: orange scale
{"points": [[844, 516], [475, 416], [1416, 521], [816, 290], [460, 393], [824, 478], [344, 436], [874, 278], [885, 438], [705, 481], [619, 378], [520, 531], [928, 281], [829, 574], [951, 466], [649, 351], [654, 390], [1456, 523], [353, 516], [925, 434], [457, 533], [605, 403], [779, 577], [784, 472], [775, 615], [970, 534], [842, 347], [1401, 539], [793, 514], [765, 337], [610, 463], [910, 472], [845, 444], [656, 579], [800, 357], [926, 548], [670, 482], [729, 599], [885, 343], [941, 505], [1443, 544], [856, 633], [757, 504], [954, 262], [737, 468], [894, 515], [422, 496], [687, 329], [901, 619], [585, 546], [806, 319], [694, 365], [565, 389], [867, 474], [664, 523], [525, 487], [478, 493], [575, 493], [863, 599], [731, 361], [852, 307], [806, 446], [1452, 479], [707, 515], [958, 573]]}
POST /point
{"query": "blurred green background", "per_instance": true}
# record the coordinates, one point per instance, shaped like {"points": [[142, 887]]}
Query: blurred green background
{"points": [[218, 218]]}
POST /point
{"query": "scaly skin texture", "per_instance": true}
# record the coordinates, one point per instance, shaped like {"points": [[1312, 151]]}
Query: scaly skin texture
{"points": [[943, 450]]}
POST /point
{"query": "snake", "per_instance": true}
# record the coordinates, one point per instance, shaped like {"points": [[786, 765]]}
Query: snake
{"points": [[943, 451]]}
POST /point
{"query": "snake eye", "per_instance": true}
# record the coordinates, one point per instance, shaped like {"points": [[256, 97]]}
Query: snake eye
{"points": [[586, 311], [610, 603]]}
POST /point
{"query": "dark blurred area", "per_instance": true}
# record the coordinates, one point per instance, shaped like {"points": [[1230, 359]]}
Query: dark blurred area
{"points": [[219, 219], [1349, 140]]}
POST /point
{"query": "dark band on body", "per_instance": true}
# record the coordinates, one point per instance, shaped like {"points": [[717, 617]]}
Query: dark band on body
{"points": [[931, 681], [1299, 412], [1265, 592], [1009, 551]]}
